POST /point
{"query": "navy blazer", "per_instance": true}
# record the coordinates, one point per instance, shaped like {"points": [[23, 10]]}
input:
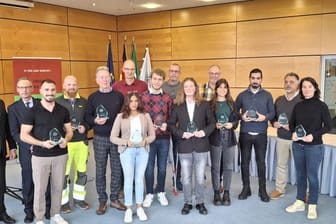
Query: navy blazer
{"points": [[4, 132], [16, 113], [204, 119]]}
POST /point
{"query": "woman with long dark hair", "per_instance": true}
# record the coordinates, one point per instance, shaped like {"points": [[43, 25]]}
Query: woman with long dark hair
{"points": [[309, 121], [133, 131], [222, 141]]}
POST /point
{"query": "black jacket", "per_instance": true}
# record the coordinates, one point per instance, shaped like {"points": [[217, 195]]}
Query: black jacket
{"points": [[4, 132]]}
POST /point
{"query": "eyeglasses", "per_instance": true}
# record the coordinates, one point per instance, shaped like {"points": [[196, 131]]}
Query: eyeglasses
{"points": [[24, 87], [174, 71], [214, 73], [129, 69]]}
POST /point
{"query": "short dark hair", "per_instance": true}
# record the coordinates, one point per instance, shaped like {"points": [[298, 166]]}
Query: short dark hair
{"points": [[255, 70], [317, 92], [292, 74], [159, 72], [50, 81]]}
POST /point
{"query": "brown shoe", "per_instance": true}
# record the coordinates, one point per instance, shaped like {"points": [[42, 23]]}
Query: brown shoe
{"points": [[118, 205], [101, 209], [276, 194]]}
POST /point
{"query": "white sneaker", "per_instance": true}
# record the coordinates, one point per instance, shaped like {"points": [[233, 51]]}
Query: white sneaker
{"points": [[39, 222], [162, 198], [298, 206], [141, 214], [57, 219], [148, 200], [312, 213], [128, 216]]}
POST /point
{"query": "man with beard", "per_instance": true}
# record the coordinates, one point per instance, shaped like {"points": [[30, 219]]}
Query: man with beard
{"points": [[78, 149], [256, 108], [48, 129]]}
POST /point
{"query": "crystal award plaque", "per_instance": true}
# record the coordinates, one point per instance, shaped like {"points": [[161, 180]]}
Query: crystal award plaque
{"points": [[55, 136], [102, 112], [75, 123], [252, 113], [136, 138], [222, 118], [192, 127], [300, 132], [282, 119], [158, 121]]}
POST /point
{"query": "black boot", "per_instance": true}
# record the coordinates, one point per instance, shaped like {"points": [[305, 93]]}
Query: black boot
{"points": [[246, 192], [217, 200], [226, 198], [263, 194]]}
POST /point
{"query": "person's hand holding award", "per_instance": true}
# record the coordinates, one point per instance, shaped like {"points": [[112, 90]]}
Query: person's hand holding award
{"points": [[75, 123], [222, 119], [283, 121], [251, 114], [101, 115], [55, 136], [300, 132], [136, 139]]}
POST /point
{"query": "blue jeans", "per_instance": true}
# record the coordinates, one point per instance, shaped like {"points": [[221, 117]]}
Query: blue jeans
{"points": [[193, 162], [134, 162], [159, 148], [307, 160]]}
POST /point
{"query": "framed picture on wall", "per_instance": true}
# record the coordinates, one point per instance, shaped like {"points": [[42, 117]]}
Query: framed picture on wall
{"points": [[328, 85]]}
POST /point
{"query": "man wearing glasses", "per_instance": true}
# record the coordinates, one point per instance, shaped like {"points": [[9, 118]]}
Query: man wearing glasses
{"points": [[16, 112], [130, 84], [207, 90]]}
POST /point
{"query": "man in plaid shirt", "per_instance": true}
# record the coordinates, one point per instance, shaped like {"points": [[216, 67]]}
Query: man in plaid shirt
{"points": [[159, 105], [207, 90]]}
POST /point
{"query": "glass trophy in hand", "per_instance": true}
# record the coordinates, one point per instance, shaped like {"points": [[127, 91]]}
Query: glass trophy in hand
{"points": [[74, 123], [55, 136], [158, 121], [102, 112], [283, 120], [136, 139], [192, 127], [300, 132], [252, 114], [222, 118]]}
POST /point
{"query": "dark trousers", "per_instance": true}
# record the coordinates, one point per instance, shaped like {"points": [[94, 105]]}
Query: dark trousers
{"points": [[27, 182], [259, 142], [2, 183]]}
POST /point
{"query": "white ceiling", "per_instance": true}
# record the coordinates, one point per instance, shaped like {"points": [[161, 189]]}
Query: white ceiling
{"points": [[124, 7]]}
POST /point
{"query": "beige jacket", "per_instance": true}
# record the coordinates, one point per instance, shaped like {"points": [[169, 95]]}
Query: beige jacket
{"points": [[121, 131]]}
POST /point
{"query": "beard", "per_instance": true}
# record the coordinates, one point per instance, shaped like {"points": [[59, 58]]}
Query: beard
{"points": [[255, 85], [49, 98]]}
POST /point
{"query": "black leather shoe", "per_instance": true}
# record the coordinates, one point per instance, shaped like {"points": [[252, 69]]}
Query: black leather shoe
{"points": [[264, 196], [201, 209], [226, 198], [186, 209], [217, 200], [29, 218], [7, 219], [246, 192]]}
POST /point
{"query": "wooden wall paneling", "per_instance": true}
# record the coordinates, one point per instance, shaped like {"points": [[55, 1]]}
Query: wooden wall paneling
{"points": [[276, 37], [8, 99], [143, 21], [328, 6], [1, 79], [260, 9], [159, 41], [275, 68], [66, 69], [27, 39], [86, 92], [328, 34], [42, 13], [91, 45], [93, 20], [7, 66], [209, 41], [204, 15]]}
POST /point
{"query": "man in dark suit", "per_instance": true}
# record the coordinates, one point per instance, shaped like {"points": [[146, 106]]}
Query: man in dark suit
{"points": [[4, 135], [16, 113]]}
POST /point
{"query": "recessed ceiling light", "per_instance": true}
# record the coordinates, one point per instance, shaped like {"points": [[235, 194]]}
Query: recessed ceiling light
{"points": [[151, 5], [93, 4]]}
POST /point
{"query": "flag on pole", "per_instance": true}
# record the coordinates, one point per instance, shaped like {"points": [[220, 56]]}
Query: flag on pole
{"points": [[146, 66], [123, 59], [135, 60], [110, 61]]}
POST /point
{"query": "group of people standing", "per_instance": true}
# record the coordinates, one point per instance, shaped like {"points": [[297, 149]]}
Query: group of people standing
{"points": [[133, 123]]}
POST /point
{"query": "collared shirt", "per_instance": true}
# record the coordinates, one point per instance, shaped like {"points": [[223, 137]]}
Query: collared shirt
{"points": [[28, 103], [138, 86], [151, 91], [290, 99]]}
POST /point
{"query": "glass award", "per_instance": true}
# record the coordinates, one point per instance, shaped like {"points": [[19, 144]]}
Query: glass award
{"points": [[282, 119], [136, 138], [222, 118], [55, 136], [75, 123], [300, 131], [102, 112], [252, 113], [158, 121], [192, 127]]}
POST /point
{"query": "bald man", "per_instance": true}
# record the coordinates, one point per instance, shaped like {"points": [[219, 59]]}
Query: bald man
{"points": [[130, 84], [78, 146]]}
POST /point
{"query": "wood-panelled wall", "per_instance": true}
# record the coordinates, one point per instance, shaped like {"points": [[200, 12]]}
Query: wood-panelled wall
{"points": [[276, 36]]}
